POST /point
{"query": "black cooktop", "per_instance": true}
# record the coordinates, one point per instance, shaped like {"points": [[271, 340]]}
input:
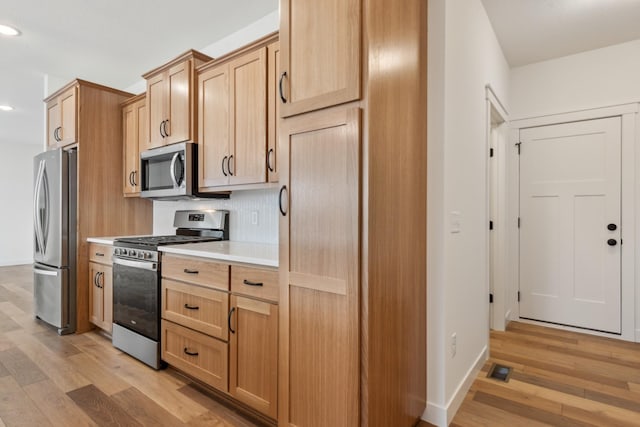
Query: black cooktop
{"points": [[152, 242]]}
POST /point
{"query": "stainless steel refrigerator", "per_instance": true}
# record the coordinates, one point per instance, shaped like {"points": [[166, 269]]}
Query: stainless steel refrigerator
{"points": [[54, 255]]}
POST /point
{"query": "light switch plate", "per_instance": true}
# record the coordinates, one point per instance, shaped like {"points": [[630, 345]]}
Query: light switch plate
{"points": [[455, 219]]}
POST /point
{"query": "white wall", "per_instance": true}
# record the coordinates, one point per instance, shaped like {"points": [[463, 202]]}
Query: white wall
{"points": [[16, 193], [464, 56], [593, 79]]}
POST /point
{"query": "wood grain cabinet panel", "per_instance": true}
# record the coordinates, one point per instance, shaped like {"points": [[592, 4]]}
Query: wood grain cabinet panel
{"points": [[319, 269], [171, 100], [99, 253], [101, 295], [273, 110], [134, 136], [321, 54], [253, 364], [196, 354], [202, 309], [198, 271], [62, 119], [255, 282]]}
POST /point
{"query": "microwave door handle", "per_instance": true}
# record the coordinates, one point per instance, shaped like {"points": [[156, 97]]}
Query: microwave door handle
{"points": [[172, 170]]}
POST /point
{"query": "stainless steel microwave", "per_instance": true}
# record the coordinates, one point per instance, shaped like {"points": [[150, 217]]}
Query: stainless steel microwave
{"points": [[170, 173]]}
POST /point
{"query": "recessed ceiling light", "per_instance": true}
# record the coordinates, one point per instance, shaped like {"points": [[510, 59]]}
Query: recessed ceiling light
{"points": [[5, 108], [6, 30]]}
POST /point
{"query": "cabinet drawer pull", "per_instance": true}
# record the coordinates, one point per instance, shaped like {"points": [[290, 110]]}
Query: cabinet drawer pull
{"points": [[191, 307], [229, 320], [282, 98], [247, 282], [186, 270], [190, 353], [99, 254]]}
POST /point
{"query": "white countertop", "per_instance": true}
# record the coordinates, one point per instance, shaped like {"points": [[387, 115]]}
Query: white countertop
{"points": [[263, 254], [102, 240]]}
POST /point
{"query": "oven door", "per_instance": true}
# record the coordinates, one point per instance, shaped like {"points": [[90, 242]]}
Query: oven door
{"points": [[136, 296]]}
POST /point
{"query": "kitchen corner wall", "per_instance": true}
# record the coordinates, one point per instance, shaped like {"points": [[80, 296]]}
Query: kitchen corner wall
{"points": [[243, 207]]}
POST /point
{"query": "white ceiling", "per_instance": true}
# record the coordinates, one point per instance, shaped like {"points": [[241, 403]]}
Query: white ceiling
{"points": [[536, 30], [112, 42]]}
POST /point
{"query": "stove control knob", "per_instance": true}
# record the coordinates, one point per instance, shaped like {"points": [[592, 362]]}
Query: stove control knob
{"points": [[132, 253], [141, 255], [147, 255], [116, 251]]}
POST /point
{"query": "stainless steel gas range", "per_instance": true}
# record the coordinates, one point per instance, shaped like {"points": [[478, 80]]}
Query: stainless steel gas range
{"points": [[137, 270]]}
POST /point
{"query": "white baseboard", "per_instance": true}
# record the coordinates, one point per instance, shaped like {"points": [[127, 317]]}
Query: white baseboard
{"points": [[507, 318], [8, 263], [637, 335], [440, 415]]}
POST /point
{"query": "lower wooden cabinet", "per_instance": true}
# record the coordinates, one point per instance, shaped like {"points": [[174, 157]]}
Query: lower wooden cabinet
{"points": [[195, 353], [253, 353], [101, 295]]}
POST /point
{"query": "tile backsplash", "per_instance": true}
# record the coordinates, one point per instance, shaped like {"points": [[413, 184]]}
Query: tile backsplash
{"points": [[244, 208]]}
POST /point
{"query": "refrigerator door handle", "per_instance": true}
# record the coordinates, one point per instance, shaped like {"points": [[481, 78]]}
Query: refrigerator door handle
{"points": [[36, 202], [45, 272]]}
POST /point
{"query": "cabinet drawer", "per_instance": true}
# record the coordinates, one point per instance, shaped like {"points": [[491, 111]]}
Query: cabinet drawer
{"points": [[195, 307], [196, 270], [196, 354], [255, 282], [100, 253]]}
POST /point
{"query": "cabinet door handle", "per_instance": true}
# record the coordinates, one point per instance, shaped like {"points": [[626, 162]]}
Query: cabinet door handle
{"points": [[95, 280], [131, 178], [229, 320], [247, 282], [282, 190], [188, 271], [99, 254], [269, 154], [282, 98], [229, 165], [55, 134], [135, 176], [101, 279], [164, 127], [190, 353], [223, 171], [162, 134], [191, 307]]}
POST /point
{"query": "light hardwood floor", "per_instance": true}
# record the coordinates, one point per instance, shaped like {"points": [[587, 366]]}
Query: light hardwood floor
{"points": [[81, 380], [559, 379]]}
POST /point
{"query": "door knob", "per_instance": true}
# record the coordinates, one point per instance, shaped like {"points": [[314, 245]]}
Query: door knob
{"points": [[612, 242], [612, 227]]}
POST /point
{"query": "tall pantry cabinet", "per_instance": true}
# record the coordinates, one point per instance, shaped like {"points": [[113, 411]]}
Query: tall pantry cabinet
{"points": [[352, 166], [92, 115]]}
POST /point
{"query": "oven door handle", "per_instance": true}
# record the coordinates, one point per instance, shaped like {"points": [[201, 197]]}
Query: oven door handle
{"points": [[146, 265]]}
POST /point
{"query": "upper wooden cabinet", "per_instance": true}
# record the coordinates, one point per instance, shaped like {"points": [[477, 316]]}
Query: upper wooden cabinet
{"points": [[321, 54], [273, 110], [171, 100], [62, 117], [232, 121], [134, 134]]}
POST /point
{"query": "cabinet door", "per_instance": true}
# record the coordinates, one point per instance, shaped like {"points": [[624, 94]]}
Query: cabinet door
{"points": [[178, 128], [142, 117], [130, 141], [253, 364], [156, 89], [53, 122], [273, 110], [213, 127], [68, 121], [319, 269], [321, 51], [248, 85], [96, 312]]}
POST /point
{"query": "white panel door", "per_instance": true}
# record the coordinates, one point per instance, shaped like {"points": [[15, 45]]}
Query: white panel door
{"points": [[570, 224]]}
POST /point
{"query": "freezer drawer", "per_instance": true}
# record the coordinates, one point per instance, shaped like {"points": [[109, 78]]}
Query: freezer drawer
{"points": [[51, 296]]}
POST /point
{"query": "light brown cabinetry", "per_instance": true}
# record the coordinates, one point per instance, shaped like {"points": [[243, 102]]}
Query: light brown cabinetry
{"points": [[62, 118], [171, 100], [101, 208], [253, 341], [228, 340], [321, 54], [134, 133], [353, 223], [273, 110], [195, 307], [233, 120], [101, 286]]}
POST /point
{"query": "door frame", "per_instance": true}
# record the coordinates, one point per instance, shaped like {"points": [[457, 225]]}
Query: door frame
{"points": [[497, 124], [630, 198]]}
